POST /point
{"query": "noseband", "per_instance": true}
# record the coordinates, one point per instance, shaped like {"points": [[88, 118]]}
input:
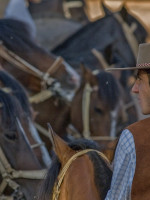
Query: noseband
{"points": [[56, 189]]}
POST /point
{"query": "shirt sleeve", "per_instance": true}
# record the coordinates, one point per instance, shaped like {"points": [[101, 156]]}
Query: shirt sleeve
{"points": [[124, 168]]}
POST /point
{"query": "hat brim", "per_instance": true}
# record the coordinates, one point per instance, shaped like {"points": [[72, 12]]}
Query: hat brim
{"points": [[127, 68]]}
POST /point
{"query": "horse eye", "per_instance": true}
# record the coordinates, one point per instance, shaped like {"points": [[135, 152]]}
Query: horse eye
{"points": [[11, 136], [98, 110]]}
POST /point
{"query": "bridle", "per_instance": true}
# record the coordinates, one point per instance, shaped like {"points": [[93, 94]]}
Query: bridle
{"points": [[86, 115], [9, 175], [45, 77], [58, 183]]}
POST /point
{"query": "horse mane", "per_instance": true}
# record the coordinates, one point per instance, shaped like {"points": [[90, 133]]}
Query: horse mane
{"points": [[108, 89], [10, 109], [16, 36], [17, 90], [102, 173], [15, 27]]}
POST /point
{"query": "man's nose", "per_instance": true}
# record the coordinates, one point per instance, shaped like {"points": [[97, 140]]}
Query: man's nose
{"points": [[135, 88]]}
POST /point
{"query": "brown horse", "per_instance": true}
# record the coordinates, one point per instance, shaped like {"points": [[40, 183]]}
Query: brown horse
{"points": [[95, 107], [19, 167], [15, 89], [79, 171], [15, 36]]}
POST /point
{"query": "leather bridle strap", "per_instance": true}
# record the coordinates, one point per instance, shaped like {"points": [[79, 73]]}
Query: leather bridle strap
{"points": [[56, 190], [85, 110], [8, 173], [25, 66]]}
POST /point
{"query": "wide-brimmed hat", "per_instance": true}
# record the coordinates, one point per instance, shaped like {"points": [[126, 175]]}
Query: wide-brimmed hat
{"points": [[143, 59]]}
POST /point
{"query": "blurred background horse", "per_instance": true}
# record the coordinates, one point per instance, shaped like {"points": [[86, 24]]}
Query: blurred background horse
{"points": [[14, 88], [50, 103], [115, 36], [20, 169], [96, 99]]}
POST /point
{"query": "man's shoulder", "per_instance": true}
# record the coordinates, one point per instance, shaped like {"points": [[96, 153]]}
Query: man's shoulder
{"points": [[139, 124], [126, 141]]}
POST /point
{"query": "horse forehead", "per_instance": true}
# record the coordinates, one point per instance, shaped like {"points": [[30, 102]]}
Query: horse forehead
{"points": [[70, 70], [82, 163]]}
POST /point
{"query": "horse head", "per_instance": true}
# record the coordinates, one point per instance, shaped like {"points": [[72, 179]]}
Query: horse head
{"points": [[37, 61], [10, 85], [16, 153], [94, 109], [78, 171]]}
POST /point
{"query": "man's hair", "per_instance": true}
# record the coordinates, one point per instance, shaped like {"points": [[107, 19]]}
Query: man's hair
{"points": [[147, 71]]}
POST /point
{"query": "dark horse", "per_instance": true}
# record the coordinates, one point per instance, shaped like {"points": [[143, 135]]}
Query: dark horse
{"points": [[108, 36], [87, 175], [18, 162], [15, 89]]}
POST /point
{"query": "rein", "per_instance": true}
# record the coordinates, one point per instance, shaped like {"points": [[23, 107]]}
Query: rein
{"points": [[9, 174], [56, 190], [25, 66], [43, 76]]}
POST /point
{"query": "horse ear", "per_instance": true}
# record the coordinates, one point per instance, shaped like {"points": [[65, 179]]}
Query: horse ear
{"points": [[123, 12], [87, 75], [60, 147]]}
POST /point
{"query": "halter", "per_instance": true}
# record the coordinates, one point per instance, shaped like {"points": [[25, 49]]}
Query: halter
{"points": [[43, 76], [9, 174], [56, 189], [86, 115]]}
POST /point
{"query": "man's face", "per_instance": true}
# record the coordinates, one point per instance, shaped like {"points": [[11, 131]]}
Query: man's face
{"points": [[142, 88]]}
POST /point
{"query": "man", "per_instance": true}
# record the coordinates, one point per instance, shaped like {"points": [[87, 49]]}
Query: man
{"points": [[131, 173]]}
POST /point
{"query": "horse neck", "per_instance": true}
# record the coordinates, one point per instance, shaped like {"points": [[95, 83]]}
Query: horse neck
{"points": [[79, 181], [41, 59]]}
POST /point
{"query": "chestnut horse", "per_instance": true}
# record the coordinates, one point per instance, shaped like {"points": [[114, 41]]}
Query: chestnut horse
{"points": [[78, 172], [95, 107], [15, 89], [19, 167]]}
